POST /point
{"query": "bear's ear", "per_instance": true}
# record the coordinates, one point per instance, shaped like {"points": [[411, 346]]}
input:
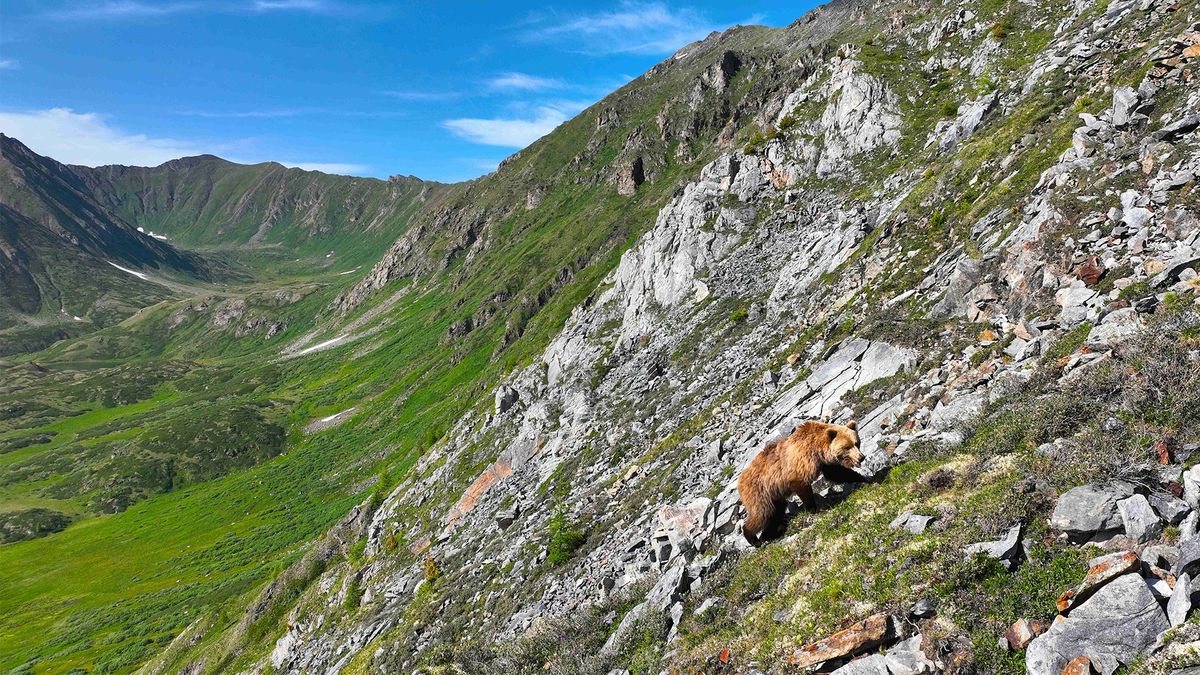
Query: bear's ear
{"points": [[852, 425], [833, 434]]}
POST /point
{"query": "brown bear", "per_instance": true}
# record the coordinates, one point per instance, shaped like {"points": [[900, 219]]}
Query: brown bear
{"points": [[789, 466]]}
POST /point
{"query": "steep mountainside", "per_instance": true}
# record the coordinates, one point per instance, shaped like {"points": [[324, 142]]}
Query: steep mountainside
{"points": [[512, 445], [208, 202], [61, 249]]}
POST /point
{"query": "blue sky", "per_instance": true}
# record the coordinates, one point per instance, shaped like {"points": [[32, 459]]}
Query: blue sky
{"points": [[440, 90]]}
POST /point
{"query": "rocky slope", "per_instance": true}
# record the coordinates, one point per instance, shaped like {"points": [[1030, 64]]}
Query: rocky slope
{"points": [[959, 224], [972, 227]]}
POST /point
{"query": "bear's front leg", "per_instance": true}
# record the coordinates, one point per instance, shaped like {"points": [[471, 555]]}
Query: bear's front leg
{"points": [[837, 473], [804, 491]]}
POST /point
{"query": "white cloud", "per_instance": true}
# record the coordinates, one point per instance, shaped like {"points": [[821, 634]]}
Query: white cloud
{"points": [[8, 64], [123, 9], [523, 82], [413, 95], [634, 28], [139, 9], [88, 139], [513, 132]]}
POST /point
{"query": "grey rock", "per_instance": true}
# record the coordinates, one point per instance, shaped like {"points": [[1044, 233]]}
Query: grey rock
{"points": [[923, 609], [1141, 522], [1169, 508], [1181, 600], [506, 517], [506, 398], [1090, 511], [908, 658], [875, 664], [1189, 557], [1191, 487], [1160, 555], [1125, 101], [1189, 526], [914, 524], [1007, 550], [1113, 627]]}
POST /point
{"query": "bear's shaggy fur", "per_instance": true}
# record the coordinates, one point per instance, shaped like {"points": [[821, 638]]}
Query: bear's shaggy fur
{"points": [[789, 466]]}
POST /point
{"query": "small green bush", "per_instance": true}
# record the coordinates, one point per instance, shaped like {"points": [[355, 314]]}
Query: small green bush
{"points": [[739, 314], [565, 538]]}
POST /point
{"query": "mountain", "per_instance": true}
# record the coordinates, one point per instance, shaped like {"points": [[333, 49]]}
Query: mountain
{"points": [[66, 256], [207, 202], [66, 228], [512, 444]]}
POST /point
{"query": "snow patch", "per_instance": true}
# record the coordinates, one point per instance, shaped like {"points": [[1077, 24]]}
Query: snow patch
{"points": [[323, 345], [144, 277]]}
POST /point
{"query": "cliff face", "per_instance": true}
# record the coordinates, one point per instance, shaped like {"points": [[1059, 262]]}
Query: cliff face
{"points": [[971, 227]]}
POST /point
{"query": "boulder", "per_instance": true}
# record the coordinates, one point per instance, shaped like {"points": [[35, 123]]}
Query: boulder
{"points": [[1119, 623], [908, 658], [911, 522], [506, 517], [1125, 101], [1169, 508], [1141, 522], [1022, 632], [1007, 550], [863, 636], [506, 397], [1191, 487], [1189, 557], [1089, 512], [1101, 570], [1181, 600]]}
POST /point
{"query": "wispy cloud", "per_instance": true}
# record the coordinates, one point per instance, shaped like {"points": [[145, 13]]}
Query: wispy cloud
{"points": [[523, 82], [137, 9], [633, 28], [89, 139], [126, 9], [8, 64], [516, 131], [415, 95], [275, 113]]}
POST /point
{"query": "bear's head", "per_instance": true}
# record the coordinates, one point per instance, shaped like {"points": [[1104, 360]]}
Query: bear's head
{"points": [[843, 445]]}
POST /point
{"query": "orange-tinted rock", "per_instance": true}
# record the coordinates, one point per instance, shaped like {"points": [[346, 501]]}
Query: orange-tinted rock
{"points": [[1022, 632], [862, 636], [1090, 271], [1080, 665], [1101, 570]]}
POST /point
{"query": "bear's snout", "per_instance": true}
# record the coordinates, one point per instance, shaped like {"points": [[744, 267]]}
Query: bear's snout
{"points": [[855, 457]]}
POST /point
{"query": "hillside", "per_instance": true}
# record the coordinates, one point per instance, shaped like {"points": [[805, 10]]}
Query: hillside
{"points": [[66, 258], [511, 445], [209, 203]]}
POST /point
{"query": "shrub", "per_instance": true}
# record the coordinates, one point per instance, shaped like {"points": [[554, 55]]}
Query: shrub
{"points": [[739, 314], [353, 594], [565, 538], [787, 122], [431, 569]]}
